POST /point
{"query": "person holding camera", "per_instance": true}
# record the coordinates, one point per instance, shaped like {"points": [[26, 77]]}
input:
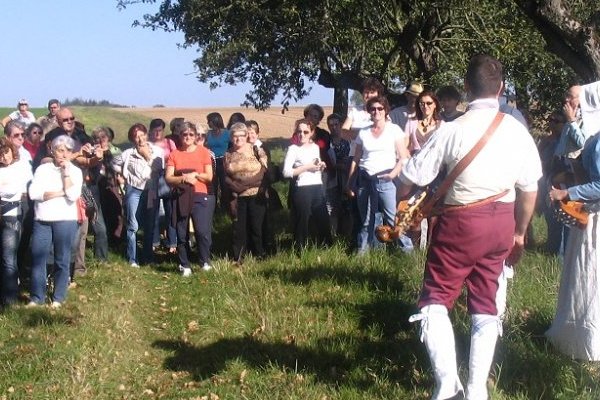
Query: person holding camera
{"points": [[303, 164]]}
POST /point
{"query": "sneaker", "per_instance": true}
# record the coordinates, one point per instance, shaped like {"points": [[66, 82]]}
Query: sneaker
{"points": [[206, 267], [55, 304], [31, 304], [185, 271], [134, 265]]}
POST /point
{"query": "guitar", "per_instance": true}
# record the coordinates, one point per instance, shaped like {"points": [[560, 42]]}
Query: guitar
{"points": [[409, 214]]}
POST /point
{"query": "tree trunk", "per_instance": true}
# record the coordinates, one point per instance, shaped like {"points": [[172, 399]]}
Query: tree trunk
{"points": [[574, 41], [340, 101]]}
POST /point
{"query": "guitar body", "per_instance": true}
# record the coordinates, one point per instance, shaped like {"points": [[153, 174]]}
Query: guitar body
{"points": [[571, 213]]}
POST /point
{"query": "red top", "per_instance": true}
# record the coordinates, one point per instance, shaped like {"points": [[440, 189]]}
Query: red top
{"points": [[31, 148], [196, 160]]}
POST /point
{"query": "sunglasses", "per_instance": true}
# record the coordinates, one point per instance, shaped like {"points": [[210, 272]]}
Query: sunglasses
{"points": [[299, 132], [426, 103], [376, 109], [70, 119]]}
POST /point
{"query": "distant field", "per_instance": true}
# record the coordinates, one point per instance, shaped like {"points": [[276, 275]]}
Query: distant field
{"points": [[273, 124]]}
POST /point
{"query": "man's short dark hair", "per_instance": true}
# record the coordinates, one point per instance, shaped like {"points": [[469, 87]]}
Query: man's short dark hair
{"points": [[53, 101], [372, 84], [484, 76], [449, 92]]}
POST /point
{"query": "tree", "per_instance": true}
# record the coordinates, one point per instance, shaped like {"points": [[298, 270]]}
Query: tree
{"points": [[279, 45], [570, 30]]}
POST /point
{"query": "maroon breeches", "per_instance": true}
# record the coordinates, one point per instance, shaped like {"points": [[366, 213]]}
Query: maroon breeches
{"points": [[468, 245]]}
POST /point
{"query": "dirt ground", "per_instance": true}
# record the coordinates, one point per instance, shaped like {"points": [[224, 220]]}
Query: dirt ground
{"points": [[273, 124]]}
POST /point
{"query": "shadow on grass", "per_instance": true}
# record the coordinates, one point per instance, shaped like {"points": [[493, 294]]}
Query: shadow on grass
{"points": [[34, 318], [367, 365], [339, 274]]}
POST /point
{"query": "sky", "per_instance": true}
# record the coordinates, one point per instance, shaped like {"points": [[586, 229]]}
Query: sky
{"points": [[88, 49]]}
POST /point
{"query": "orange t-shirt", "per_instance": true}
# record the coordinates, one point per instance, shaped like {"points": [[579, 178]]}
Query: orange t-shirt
{"points": [[196, 160]]}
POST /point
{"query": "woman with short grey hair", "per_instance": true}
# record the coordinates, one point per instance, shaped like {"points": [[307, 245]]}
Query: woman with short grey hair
{"points": [[55, 188]]}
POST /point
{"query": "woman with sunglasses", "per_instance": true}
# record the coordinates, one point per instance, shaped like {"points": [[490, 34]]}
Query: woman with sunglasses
{"points": [[427, 121], [14, 178], [245, 166], [140, 166], [303, 164], [34, 135], [378, 157], [190, 169]]}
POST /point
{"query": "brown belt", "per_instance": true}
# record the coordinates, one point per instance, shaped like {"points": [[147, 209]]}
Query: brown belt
{"points": [[477, 203]]}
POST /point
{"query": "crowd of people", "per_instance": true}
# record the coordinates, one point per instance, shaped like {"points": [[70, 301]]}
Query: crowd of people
{"points": [[58, 184]]}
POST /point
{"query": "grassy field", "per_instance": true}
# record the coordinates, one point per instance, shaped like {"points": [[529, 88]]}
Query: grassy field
{"points": [[322, 324]]}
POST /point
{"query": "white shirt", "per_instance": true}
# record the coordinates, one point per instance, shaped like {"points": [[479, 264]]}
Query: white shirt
{"points": [[47, 178], [361, 118], [508, 160], [136, 170], [379, 154], [297, 156], [17, 116], [14, 179]]}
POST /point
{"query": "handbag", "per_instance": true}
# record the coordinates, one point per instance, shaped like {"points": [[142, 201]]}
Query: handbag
{"points": [[88, 203], [164, 190], [425, 202]]}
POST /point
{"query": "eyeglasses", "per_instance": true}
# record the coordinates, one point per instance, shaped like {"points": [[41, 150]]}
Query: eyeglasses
{"points": [[16, 135], [70, 119], [376, 109], [37, 132], [426, 103]]}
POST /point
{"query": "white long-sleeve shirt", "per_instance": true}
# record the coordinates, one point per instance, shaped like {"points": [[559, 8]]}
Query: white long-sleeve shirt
{"points": [[47, 178], [136, 170], [14, 179]]}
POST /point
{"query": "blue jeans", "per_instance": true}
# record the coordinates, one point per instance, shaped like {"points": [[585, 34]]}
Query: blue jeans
{"points": [[171, 231], [136, 211], [60, 235], [11, 233], [376, 195]]}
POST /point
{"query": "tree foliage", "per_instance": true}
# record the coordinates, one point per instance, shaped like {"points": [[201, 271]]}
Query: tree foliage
{"points": [[280, 45]]}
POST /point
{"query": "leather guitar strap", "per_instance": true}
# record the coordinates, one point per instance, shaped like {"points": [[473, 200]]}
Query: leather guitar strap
{"points": [[462, 164]]}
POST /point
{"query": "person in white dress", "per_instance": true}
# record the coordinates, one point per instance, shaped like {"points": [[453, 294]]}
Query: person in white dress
{"points": [[575, 330]]}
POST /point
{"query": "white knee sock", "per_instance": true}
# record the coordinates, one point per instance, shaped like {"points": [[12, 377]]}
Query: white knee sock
{"points": [[438, 336], [484, 334]]}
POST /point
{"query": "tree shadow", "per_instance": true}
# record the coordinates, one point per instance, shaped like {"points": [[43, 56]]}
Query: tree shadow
{"points": [[338, 273], [327, 365]]}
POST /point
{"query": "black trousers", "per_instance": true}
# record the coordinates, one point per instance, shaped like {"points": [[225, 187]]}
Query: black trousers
{"points": [[248, 226], [310, 205]]}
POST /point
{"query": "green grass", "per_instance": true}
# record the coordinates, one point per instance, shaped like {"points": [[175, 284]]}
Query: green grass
{"points": [[321, 324]]}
